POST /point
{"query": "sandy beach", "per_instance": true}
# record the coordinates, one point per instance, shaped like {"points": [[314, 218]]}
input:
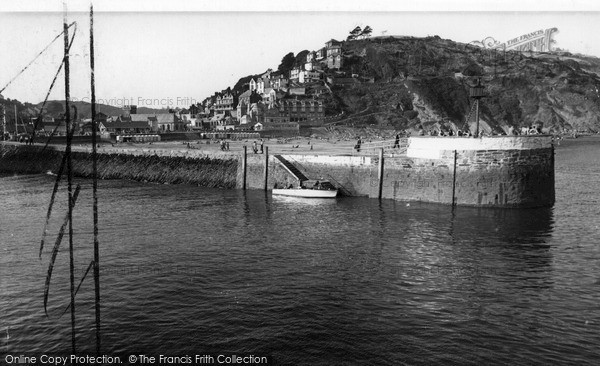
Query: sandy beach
{"points": [[299, 146]]}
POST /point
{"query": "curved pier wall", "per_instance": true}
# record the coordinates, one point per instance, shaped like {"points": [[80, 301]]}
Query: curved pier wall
{"points": [[497, 171], [509, 178], [508, 171], [159, 166]]}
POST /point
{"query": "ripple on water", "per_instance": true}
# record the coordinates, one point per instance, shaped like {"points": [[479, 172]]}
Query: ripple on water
{"points": [[346, 281]]}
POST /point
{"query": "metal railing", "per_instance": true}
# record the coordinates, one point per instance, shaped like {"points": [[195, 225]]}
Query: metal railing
{"points": [[282, 161]]}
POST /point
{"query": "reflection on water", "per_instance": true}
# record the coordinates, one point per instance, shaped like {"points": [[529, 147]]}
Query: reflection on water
{"points": [[343, 281]]}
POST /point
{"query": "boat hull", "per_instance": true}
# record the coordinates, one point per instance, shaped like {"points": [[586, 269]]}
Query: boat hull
{"points": [[306, 193]]}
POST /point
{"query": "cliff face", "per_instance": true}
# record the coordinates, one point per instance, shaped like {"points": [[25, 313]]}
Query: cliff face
{"points": [[427, 80]]}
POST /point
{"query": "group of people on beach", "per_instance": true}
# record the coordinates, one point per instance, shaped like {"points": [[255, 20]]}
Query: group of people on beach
{"points": [[532, 130], [26, 138], [255, 146], [512, 131], [224, 145], [449, 132]]}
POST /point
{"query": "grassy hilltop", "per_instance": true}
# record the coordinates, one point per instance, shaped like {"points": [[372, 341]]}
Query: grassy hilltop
{"points": [[426, 80]]}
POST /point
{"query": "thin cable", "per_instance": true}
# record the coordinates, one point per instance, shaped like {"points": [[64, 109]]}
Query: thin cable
{"points": [[39, 117], [32, 61], [69, 180]]}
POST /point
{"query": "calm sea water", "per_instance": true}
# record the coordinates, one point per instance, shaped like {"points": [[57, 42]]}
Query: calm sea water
{"points": [[188, 270]]}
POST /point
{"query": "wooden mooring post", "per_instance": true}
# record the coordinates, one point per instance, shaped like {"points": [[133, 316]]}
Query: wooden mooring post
{"points": [[380, 174], [266, 177], [244, 167], [454, 181]]}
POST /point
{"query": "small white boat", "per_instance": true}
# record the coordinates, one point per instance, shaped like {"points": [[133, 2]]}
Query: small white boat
{"points": [[309, 189], [307, 193]]}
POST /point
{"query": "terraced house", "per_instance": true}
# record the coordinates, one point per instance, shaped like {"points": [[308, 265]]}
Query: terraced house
{"points": [[224, 103]]}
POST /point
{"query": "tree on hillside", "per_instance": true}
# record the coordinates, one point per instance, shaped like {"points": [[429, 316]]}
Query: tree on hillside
{"points": [[354, 33], [300, 58], [242, 84], [287, 62], [366, 33]]}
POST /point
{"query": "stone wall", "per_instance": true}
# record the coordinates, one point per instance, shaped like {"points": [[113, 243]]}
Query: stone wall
{"points": [[505, 177], [407, 179], [508, 178], [162, 166], [515, 177], [501, 172], [255, 173]]}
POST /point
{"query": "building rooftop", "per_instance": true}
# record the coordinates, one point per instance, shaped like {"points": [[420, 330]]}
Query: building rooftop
{"points": [[133, 124]]}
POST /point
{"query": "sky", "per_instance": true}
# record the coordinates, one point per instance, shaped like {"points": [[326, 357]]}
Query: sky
{"points": [[172, 54]]}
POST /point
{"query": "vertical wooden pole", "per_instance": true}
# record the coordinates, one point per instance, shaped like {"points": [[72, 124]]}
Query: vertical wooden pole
{"points": [[69, 176], [454, 181], [266, 177], [244, 167], [16, 121], [380, 174], [553, 174], [95, 184]]}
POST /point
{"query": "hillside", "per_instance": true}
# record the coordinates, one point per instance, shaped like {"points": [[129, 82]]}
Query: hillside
{"points": [[407, 82], [84, 109], [426, 80], [56, 109]]}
